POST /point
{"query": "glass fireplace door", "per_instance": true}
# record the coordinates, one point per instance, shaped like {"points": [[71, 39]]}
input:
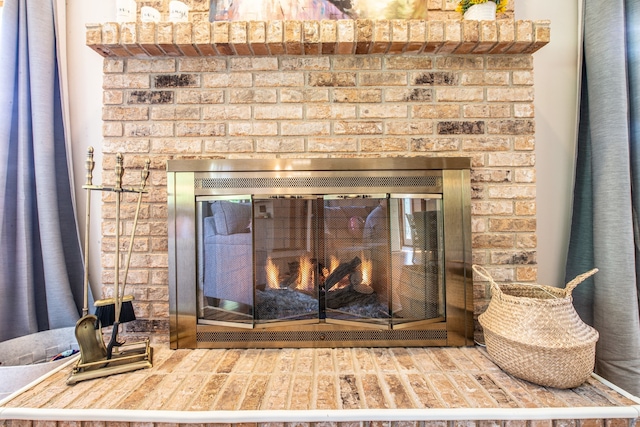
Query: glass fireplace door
{"points": [[376, 260], [225, 259], [286, 264], [355, 258], [418, 261]]}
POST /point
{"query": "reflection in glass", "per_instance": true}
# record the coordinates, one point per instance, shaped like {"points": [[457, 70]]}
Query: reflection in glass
{"points": [[225, 259], [419, 273]]}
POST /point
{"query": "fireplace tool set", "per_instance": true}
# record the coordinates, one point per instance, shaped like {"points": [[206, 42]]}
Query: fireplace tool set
{"points": [[97, 359]]}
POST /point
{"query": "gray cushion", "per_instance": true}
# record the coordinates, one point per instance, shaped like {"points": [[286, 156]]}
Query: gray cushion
{"points": [[231, 217]]}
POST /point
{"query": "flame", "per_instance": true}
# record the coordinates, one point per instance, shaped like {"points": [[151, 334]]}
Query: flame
{"points": [[367, 270], [273, 275], [333, 263], [305, 274]]}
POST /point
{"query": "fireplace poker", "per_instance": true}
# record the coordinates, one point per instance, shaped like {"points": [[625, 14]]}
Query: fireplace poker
{"points": [[116, 287]]}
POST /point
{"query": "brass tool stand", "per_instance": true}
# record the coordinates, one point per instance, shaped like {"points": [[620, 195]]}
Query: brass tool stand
{"points": [[128, 358], [96, 359]]}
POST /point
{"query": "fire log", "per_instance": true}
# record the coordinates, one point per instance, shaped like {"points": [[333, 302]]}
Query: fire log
{"points": [[340, 272], [341, 297], [349, 294]]}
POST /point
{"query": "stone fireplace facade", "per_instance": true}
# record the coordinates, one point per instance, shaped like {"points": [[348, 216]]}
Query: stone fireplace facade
{"points": [[322, 89]]}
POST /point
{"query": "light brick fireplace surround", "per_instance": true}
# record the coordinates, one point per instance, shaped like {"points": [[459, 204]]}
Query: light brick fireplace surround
{"points": [[435, 87]]}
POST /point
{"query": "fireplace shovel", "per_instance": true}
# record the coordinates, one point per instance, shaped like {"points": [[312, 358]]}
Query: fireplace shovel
{"points": [[96, 359]]}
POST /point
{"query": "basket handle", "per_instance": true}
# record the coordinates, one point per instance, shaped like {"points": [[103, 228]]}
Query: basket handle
{"points": [[568, 289], [482, 272]]}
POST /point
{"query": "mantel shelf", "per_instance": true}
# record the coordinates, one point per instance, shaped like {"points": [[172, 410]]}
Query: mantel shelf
{"points": [[342, 37]]}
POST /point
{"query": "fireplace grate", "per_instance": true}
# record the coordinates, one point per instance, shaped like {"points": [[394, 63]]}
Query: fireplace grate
{"points": [[426, 183], [321, 336]]}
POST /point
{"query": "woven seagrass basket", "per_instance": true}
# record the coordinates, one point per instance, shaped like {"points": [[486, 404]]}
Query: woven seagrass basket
{"points": [[533, 332]]}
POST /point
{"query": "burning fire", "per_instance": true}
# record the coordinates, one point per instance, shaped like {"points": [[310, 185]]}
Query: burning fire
{"points": [[367, 270], [305, 274], [333, 263], [273, 275], [303, 281]]}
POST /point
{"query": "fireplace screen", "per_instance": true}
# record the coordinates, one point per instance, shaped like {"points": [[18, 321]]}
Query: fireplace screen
{"points": [[290, 265], [268, 260]]}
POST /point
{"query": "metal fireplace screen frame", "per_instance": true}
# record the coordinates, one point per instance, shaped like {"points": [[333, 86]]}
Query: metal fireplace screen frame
{"points": [[192, 180]]}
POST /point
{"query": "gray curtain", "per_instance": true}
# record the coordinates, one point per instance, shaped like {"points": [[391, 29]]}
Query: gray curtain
{"points": [[604, 230], [41, 268]]}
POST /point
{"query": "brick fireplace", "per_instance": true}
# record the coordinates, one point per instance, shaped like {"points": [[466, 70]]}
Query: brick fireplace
{"points": [[439, 87]]}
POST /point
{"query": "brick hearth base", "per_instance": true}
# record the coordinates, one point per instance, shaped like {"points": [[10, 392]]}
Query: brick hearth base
{"points": [[329, 387]]}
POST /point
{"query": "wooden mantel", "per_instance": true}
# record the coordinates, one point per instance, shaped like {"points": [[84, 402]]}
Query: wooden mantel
{"points": [[342, 37]]}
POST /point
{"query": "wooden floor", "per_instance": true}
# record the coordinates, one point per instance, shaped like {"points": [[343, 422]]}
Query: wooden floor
{"points": [[307, 386]]}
